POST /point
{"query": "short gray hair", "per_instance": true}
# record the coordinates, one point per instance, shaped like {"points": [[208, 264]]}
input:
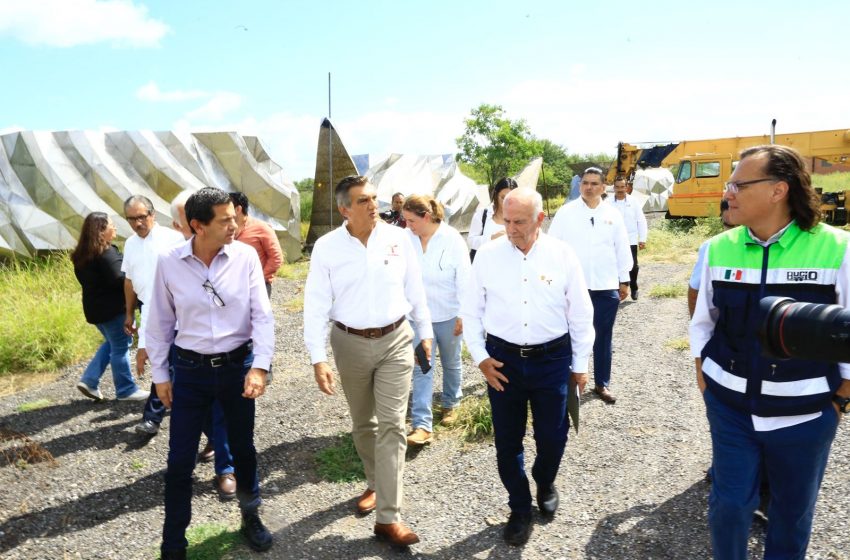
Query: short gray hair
{"points": [[524, 194], [139, 199], [177, 203]]}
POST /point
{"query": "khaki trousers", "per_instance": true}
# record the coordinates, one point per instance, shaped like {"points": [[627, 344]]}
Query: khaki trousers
{"points": [[375, 376]]}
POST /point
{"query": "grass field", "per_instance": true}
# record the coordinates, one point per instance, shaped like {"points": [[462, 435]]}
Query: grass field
{"points": [[42, 326]]}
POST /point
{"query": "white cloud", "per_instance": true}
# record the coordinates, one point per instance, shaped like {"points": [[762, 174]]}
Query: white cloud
{"points": [[151, 92], [69, 23], [219, 104]]}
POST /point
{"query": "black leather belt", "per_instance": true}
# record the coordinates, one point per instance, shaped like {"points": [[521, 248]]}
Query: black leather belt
{"points": [[376, 332], [217, 360], [529, 350]]}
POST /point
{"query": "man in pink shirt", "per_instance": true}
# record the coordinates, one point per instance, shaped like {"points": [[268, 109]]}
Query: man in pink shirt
{"points": [[259, 235], [214, 289]]}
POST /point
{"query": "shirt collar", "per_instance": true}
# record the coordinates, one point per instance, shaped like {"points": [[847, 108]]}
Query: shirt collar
{"points": [[185, 250], [778, 236]]}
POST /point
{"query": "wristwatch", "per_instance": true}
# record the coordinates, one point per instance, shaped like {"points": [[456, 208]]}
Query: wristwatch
{"points": [[843, 403]]}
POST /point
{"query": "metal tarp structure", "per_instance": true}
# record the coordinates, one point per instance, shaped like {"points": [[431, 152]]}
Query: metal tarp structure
{"points": [[436, 175], [527, 177], [50, 181], [332, 164], [653, 187]]}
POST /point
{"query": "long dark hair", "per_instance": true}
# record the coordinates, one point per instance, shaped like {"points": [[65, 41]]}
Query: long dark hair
{"points": [[504, 183], [91, 243]]}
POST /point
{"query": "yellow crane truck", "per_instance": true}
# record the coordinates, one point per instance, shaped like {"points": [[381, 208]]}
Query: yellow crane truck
{"points": [[702, 167]]}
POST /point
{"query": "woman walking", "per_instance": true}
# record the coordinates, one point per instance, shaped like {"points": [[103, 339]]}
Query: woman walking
{"points": [[97, 266], [445, 270]]}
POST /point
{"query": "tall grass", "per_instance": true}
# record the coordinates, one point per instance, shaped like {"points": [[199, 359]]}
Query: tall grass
{"points": [[832, 182], [677, 241], [42, 326]]}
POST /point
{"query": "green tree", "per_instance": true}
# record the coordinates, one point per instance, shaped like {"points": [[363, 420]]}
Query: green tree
{"points": [[495, 145], [304, 185], [556, 170]]}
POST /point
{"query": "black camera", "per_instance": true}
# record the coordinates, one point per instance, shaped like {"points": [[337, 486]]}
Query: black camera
{"points": [[810, 331], [387, 216]]}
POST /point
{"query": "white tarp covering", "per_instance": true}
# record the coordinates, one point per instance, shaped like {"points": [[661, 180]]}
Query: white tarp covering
{"points": [[656, 185], [50, 181], [436, 175]]}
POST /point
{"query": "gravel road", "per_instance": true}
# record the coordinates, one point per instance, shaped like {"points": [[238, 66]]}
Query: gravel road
{"points": [[632, 481]]}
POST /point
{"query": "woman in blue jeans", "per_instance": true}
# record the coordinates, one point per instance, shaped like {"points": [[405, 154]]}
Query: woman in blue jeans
{"points": [[97, 266], [444, 259]]}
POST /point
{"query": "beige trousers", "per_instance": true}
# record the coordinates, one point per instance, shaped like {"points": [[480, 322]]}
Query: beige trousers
{"points": [[375, 376]]}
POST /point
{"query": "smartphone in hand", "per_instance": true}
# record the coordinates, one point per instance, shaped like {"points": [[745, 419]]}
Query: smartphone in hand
{"points": [[421, 358]]}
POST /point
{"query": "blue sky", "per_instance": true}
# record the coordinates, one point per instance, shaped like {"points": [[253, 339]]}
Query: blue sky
{"points": [[406, 74]]}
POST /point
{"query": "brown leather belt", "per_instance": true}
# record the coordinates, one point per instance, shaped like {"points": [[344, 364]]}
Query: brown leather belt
{"points": [[371, 333]]}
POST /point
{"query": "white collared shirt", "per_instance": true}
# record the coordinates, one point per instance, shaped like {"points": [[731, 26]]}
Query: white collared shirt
{"points": [[633, 217], [706, 314], [598, 236], [362, 286], [528, 299], [139, 265], [445, 269]]}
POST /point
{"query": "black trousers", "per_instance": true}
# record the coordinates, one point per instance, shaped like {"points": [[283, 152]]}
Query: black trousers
{"points": [[634, 271]]}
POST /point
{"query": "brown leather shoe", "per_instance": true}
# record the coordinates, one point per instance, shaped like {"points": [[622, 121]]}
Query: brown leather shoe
{"points": [[449, 417], [605, 394], [419, 436], [396, 533], [207, 455], [226, 486], [366, 502]]}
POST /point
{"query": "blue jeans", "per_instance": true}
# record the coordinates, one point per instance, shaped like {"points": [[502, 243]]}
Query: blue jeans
{"points": [[115, 352], [215, 428], [605, 305], [541, 380], [423, 384], [794, 459], [196, 386]]}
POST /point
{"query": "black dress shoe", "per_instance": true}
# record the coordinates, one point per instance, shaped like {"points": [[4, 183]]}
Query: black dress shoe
{"points": [[173, 554], [518, 528], [255, 532], [548, 500]]}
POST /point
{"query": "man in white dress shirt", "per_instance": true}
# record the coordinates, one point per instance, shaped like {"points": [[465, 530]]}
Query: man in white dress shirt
{"points": [[140, 253], [365, 278], [596, 232], [635, 226], [528, 323]]}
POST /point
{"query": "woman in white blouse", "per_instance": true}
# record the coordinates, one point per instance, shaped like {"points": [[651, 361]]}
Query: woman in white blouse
{"points": [[487, 222], [445, 267]]}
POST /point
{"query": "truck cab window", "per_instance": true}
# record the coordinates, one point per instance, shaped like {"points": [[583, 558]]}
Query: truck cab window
{"points": [[708, 169], [684, 172]]}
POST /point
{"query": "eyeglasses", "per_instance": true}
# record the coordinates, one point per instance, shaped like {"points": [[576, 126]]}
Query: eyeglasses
{"points": [[210, 290], [733, 187], [141, 218]]}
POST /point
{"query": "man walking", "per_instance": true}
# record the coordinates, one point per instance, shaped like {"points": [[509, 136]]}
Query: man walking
{"points": [[365, 278], [214, 289], [595, 231], [767, 415], [259, 235], [528, 324], [636, 228]]}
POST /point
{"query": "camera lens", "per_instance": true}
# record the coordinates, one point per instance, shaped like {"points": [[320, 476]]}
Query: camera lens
{"points": [[810, 331]]}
